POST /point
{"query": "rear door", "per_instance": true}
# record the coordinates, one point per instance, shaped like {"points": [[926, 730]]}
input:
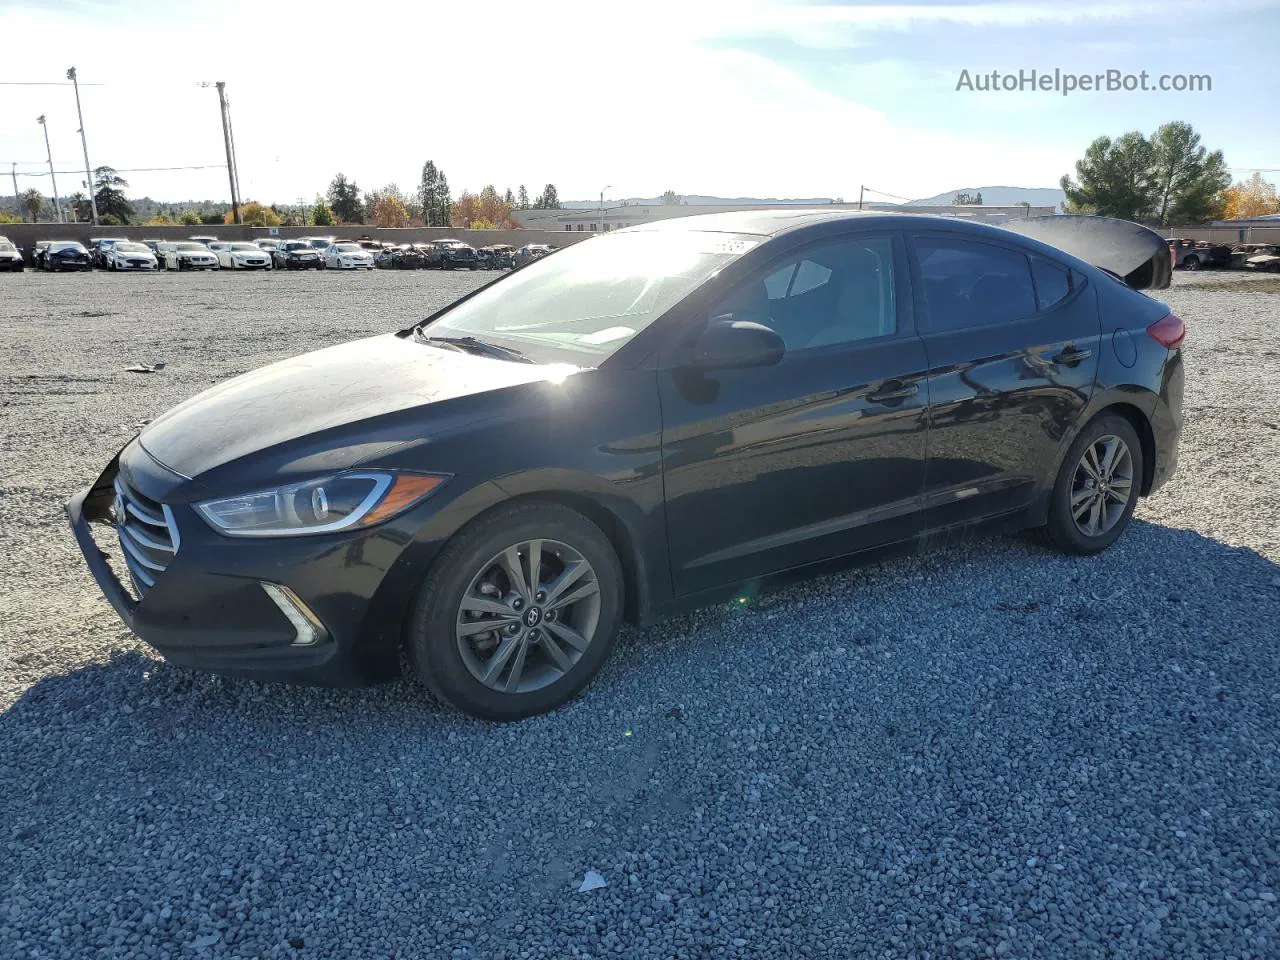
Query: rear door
{"points": [[1012, 340]]}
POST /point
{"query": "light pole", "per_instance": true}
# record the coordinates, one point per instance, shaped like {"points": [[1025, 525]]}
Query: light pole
{"points": [[88, 176], [602, 190], [57, 204], [231, 157]]}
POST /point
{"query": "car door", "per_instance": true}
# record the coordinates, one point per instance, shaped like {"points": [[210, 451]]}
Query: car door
{"points": [[1012, 338], [818, 456]]}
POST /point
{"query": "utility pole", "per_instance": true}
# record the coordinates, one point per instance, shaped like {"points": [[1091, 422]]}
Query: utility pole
{"points": [[231, 162], [88, 176], [57, 204], [860, 189], [602, 190], [17, 197]]}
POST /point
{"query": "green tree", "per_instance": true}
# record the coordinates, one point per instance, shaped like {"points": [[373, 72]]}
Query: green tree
{"points": [[670, 199], [32, 201], [344, 200], [81, 209], [1189, 181], [509, 199], [964, 199], [522, 198], [321, 215], [548, 199], [189, 218], [109, 194], [1114, 178], [444, 203], [433, 196], [254, 214], [213, 219]]}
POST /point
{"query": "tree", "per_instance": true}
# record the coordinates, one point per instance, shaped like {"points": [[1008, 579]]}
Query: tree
{"points": [[344, 200], [509, 199], [254, 214], [388, 207], [522, 199], [80, 207], [109, 195], [444, 202], [1164, 179], [158, 220], [1189, 179], [1254, 197], [670, 199], [32, 201], [967, 199], [465, 209], [212, 219], [548, 199], [1115, 178], [429, 192], [321, 215], [190, 218]]}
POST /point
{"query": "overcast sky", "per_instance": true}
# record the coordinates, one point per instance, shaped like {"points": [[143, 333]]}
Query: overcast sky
{"points": [[784, 99]]}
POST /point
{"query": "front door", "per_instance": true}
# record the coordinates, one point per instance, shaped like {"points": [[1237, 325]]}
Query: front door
{"points": [[1013, 342], [818, 456]]}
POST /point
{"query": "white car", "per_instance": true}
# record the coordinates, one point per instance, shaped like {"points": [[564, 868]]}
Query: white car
{"points": [[188, 255], [241, 256], [127, 255], [10, 258], [345, 255]]}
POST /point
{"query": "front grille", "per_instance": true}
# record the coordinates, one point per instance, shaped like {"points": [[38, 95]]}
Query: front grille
{"points": [[148, 535]]}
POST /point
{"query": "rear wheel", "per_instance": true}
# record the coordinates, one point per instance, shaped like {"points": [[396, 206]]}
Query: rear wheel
{"points": [[1097, 487], [518, 613], [1192, 263]]}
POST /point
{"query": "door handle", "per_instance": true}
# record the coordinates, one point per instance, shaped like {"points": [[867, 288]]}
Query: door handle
{"points": [[1072, 355], [893, 390]]}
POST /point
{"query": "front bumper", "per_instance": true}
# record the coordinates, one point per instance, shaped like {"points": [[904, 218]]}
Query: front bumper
{"points": [[223, 604], [316, 264], [355, 264]]}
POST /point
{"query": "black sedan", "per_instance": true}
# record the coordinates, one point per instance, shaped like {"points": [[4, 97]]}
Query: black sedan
{"points": [[297, 255], [649, 420], [66, 255]]}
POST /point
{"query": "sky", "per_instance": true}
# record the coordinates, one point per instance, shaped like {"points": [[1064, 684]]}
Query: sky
{"points": [[764, 98]]}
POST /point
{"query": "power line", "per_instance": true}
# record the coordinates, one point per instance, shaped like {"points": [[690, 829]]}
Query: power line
{"points": [[44, 83], [205, 166], [883, 194]]}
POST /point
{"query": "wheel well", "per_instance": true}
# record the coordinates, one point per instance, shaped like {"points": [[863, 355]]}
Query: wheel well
{"points": [[1142, 426], [634, 590]]}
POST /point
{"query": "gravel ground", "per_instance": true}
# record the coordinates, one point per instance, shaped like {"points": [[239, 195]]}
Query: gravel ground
{"points": [[988, 751]]}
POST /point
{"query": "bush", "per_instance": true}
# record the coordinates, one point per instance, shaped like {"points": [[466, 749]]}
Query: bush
{"points": [[190, 218]]}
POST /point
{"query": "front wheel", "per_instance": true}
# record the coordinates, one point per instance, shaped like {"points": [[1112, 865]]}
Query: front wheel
{"points": [[1097, 487], [518, 613]]}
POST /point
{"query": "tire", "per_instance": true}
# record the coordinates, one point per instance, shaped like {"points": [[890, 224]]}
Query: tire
{"points": [[1075, 480], [1192, 263], [470, 566]]}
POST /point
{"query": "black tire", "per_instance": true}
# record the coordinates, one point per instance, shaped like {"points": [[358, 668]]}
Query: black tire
{"points": [[431, 635], [1062, 532], [1192, 263]]}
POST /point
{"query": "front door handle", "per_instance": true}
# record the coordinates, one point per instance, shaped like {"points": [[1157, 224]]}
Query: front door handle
{"points": [[1072, 355], [893, 390]]}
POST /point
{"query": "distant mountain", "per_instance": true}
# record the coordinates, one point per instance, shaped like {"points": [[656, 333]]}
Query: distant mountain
{"points": [[692, 199], [1000, 197]]}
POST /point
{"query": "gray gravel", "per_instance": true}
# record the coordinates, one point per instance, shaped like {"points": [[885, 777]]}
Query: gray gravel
{"points": [[989, 751]]}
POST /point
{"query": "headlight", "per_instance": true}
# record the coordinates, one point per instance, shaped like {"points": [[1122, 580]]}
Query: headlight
{"points": [[340, 502]]}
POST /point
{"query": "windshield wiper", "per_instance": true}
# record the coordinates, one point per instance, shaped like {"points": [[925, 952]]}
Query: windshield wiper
{"points": [[477, 346]]}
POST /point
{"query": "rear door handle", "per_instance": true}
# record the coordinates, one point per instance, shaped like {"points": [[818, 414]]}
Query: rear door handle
{"points": [[893, 390], [1072, 355]]}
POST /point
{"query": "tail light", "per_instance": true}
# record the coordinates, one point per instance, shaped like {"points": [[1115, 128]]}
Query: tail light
{"points": [[1169, 331]]}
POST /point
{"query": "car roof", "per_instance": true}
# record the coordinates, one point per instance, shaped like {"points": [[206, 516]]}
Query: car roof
{"points": [[773, 221]]}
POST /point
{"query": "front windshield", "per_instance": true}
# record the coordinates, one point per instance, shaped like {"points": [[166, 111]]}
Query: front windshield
{"points": [[133, 248], [246, 247], [583, 303], [191, 247], [348, 247]]}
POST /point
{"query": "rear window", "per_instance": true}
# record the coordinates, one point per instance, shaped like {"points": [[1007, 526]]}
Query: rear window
{"points": [[972, 284], [1053, 283]]}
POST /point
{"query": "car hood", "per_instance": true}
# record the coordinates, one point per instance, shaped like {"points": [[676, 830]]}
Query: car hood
{"points": [[332, 408]]}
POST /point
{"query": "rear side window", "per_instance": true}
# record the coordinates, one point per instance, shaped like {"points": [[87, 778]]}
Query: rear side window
{"points": [[1053, 283], [972, 284]]}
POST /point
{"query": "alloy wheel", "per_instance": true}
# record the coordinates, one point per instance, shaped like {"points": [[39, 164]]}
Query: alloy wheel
{"points": [[528, 616], [1102, 486]]}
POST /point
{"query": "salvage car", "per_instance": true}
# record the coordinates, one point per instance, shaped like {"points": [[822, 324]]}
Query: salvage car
{"points": [[10, 257], [241, 256], [37, 254], [189, 255], [127, 255], [530, 252], [65, 255], [347, 255], [405, 257], [297, 255], [651, 420], [454, 255], [99, 247]]}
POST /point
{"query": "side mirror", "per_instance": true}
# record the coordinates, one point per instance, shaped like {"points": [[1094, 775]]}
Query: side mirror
{"points": [[731, 344]]}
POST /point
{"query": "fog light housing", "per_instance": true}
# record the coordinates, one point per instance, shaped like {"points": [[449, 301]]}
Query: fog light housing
{"points": [[308, 630]]}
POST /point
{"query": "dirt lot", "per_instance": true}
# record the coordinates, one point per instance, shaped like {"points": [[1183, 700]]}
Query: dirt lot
{"points": [[991, 751]]}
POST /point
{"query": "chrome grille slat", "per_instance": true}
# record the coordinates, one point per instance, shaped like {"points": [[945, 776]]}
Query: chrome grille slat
{"points": [[147, 534]]}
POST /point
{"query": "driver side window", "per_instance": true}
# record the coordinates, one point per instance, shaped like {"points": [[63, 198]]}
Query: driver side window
{"points": [[836, 292]]}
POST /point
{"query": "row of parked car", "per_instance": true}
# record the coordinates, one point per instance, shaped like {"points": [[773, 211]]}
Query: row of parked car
{"points": [[269, 253], [1190, 254]]}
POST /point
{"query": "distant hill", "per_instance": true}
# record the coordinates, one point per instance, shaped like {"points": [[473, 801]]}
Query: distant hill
{"points": [[1000, 197]]}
